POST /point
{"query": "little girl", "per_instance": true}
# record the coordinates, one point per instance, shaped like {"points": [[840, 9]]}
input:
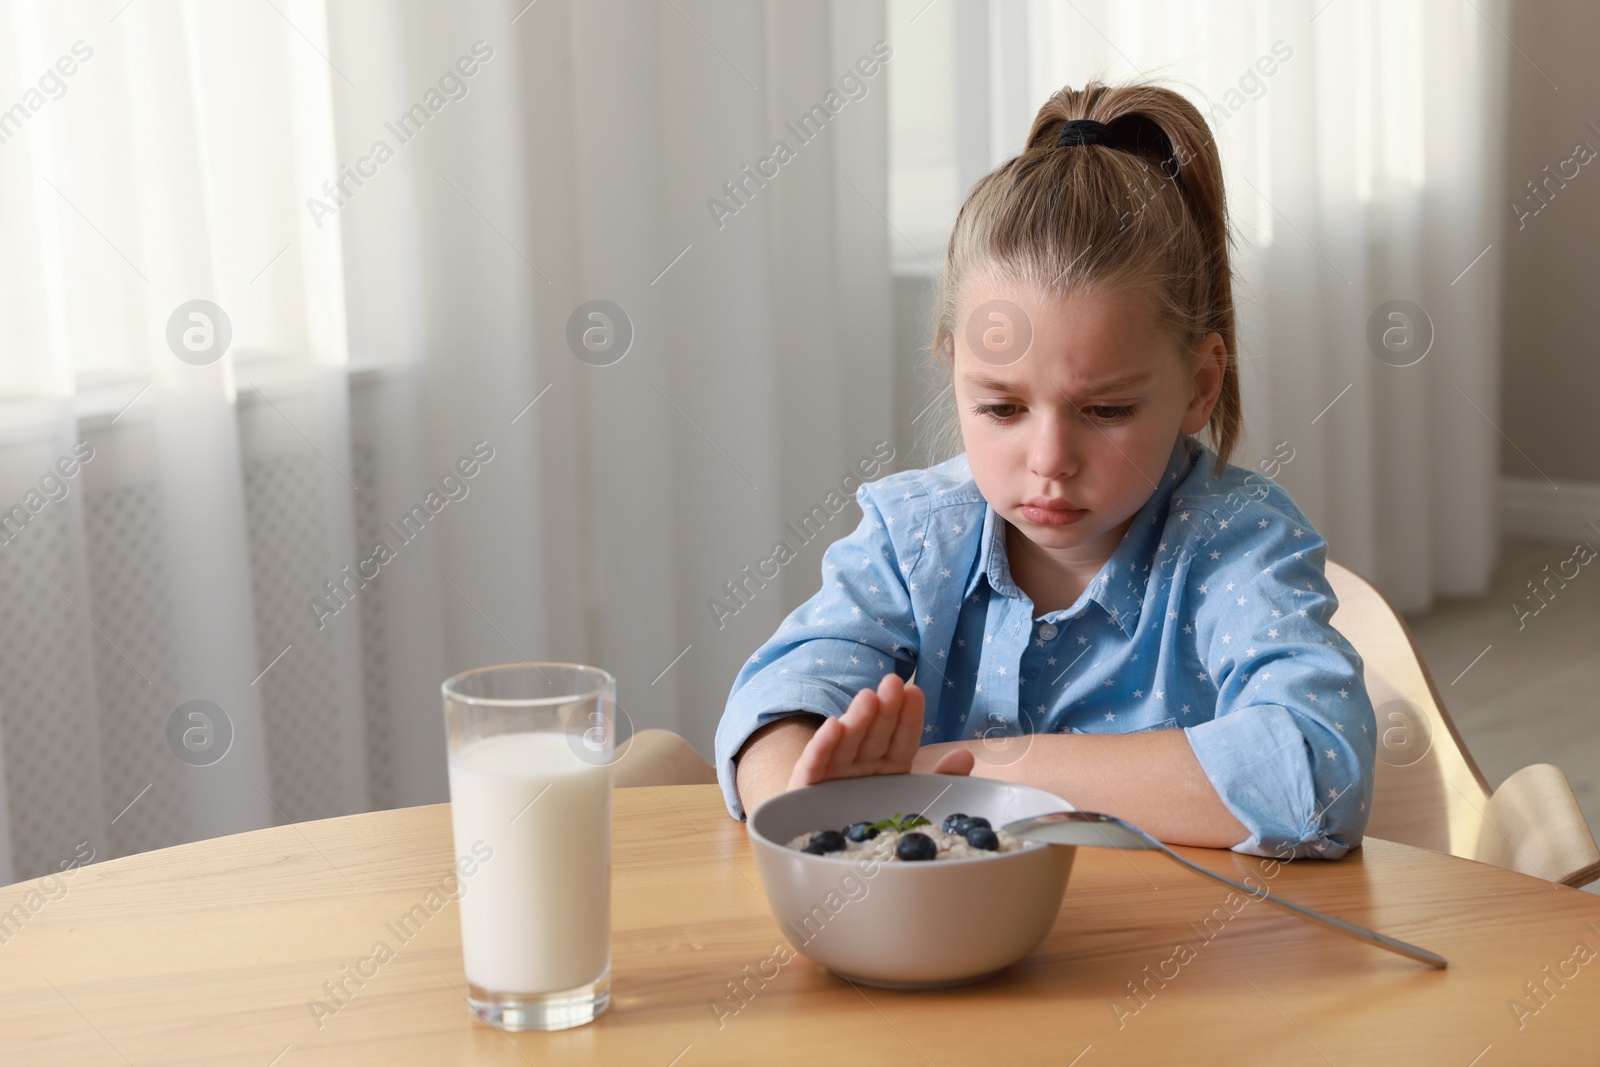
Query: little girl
{"points": [[1091, 601]]}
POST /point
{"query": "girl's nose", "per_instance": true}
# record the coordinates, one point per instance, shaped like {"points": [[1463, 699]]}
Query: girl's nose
{"points": [[1053, 454]]}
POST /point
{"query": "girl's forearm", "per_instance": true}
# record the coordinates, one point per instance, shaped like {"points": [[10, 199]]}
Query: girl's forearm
{"points": [[763, 765], [1153, 780]]}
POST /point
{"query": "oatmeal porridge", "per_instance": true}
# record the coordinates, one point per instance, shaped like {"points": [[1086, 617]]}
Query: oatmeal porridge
{"points": [[910, 838]]}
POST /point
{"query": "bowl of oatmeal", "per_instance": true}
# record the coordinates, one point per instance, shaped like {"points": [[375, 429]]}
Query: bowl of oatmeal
{"points": [[905, 881]]}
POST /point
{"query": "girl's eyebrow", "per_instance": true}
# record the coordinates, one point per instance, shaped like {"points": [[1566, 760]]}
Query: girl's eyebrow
{"points": [[1110, 385]]}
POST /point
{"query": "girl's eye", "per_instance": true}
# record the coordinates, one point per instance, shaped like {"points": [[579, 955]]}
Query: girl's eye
{"points": [[1106, 413], [1001, 413]]}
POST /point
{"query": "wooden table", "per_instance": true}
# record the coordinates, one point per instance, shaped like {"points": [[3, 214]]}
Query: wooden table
{"points": [[212, 953]]}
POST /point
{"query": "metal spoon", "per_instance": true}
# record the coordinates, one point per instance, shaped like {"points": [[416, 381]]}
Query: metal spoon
{"points": [[1107, 831]]}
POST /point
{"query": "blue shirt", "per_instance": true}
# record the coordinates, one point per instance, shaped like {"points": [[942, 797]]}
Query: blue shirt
{"points": [[1211, 616]]}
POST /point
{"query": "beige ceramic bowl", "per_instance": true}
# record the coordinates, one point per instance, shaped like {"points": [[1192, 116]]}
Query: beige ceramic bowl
{"points": [[909, 925]]}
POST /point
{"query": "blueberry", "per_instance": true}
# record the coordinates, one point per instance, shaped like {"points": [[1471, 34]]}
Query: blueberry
{"points": [[915, 846], [975, 822], [951, 822], [981, 837], [861, 831], [814, 848], [825, 841]]}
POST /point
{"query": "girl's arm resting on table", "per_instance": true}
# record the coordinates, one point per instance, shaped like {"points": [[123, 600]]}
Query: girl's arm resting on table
{"points": [[764, 764], [1152, 780], [859, 625]]}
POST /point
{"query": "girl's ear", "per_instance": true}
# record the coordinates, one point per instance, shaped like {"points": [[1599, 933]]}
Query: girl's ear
{"points": [[1210, 363]]}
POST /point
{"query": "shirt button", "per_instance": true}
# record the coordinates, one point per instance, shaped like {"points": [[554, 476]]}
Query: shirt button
{"points": [[1048, 631]]}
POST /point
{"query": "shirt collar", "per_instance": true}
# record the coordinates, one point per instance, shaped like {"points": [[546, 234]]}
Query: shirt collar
{"points": [[1119, 587]]}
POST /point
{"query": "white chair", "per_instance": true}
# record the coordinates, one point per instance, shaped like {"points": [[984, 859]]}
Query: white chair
{"points": [[1428, 791], [661, 757]]}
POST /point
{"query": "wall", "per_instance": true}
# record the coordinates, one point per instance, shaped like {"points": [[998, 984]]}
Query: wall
{"points": [[1550, 379]]}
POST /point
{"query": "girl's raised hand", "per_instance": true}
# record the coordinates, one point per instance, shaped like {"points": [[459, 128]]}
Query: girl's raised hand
{"points": [[878, 734]]}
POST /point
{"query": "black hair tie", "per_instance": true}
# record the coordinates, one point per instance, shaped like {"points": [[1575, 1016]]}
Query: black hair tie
{"points": [[1084, 131]]}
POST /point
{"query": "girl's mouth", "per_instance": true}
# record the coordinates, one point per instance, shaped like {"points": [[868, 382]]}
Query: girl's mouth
{"points": [[1051, 516]]}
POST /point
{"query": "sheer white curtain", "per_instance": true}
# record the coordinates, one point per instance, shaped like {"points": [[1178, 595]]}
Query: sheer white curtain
{"points": [[212, 551], [145, 166], [205, 581], [1361, 149]]}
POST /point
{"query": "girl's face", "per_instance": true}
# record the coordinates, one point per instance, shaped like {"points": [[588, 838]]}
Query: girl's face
{"points": [[1070, 408]]}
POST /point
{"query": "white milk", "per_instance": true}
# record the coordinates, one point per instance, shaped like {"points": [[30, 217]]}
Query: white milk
{"points": [[536, 916]]}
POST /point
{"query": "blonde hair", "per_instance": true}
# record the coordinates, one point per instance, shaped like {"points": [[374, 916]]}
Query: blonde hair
{"points": [[1147, 216]]}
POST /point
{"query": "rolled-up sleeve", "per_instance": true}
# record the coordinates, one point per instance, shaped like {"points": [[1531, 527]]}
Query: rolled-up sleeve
{"points": [[1292, 744], [853, 631]]}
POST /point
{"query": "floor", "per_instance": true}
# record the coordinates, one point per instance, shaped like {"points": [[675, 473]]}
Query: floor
{"points": [[1534, 696]]}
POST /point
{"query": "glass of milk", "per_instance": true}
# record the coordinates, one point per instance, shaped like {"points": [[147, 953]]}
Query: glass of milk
{"points": [[531, 747]]}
